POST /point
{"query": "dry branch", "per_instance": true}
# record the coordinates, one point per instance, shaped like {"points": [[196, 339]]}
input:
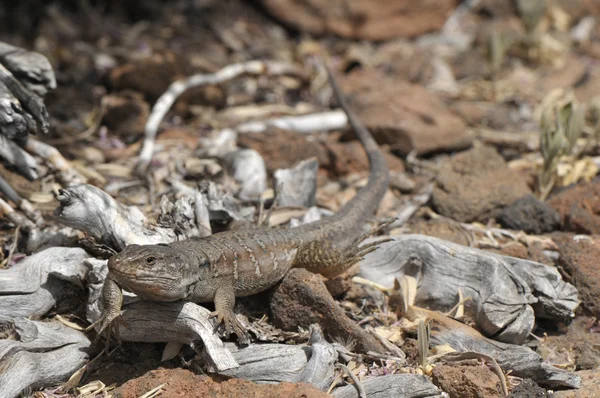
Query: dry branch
{"points": [[46, 353], [96, 213], [168, 98], [304, 124], [393, 386], [521, 361], [273, 363], [26, 290], [505, 291]]}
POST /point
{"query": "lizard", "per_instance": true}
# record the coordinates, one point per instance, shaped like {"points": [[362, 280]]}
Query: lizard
{"points": [[229, 264]]}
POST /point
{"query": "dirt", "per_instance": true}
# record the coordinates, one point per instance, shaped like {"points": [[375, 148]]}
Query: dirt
{"points": [[590, 385], [178, 383]]}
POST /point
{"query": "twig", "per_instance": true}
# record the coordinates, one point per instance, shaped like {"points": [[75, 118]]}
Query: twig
{"points": [[386, 343], [23, 162], [359, 387], [322, 121], [168, 98], [154, 392], [56, 159], [13, 216]]}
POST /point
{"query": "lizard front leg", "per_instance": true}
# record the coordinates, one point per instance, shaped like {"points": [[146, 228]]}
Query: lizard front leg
{"points": [[112, 300], [224, 303]]}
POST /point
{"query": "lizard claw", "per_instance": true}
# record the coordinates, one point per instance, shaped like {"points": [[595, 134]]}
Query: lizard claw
{"points": [[231, 324], [108, 325]]}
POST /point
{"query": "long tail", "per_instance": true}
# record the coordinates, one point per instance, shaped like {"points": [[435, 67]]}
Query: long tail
{"points": [[367, 200]]}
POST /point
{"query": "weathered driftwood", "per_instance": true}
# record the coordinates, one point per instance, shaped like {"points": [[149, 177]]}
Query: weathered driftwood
{"points": [[297, 186], [30, 287], [46, 354], [23, 162], [181, 322], [274, 363], [248, 168], [505, 291], [305, 124], [393, 386], [66, 173], [96, 213], [220, 206], [184, 216], [521, 361], [167, 99], [25, 76], [32, 69]]}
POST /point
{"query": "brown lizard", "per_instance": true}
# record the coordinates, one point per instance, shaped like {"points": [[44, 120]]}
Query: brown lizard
{"points": [[231, 264]]}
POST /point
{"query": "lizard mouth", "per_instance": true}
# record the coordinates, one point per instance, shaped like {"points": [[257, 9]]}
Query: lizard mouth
{"points": [[141, 276]]}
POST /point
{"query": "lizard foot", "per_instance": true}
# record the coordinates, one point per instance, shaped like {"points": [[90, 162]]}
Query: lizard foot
{"points": [[108, 325], [231, 324]]}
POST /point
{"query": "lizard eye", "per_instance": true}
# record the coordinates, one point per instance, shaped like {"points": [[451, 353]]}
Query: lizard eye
{"points": [[150, 260]]}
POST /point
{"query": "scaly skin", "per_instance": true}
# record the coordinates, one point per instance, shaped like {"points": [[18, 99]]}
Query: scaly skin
{"points": [[233, 264]]}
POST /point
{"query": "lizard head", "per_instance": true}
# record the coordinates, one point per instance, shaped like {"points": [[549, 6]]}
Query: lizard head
{"points": [[153, 272]]}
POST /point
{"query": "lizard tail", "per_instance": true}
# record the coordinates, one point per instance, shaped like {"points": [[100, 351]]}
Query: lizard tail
{"points": [[365, 203]]}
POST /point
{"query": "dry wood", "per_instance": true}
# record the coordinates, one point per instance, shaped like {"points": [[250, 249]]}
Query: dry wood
{"points": [[23, 162], [67, 174], [34, 70], [393, 386], [323, 121], [505, 292], [182, 322], [249, 170], [26, 289], [96, 213], [521, 361], [297, 186], [167, 99], [46, 354], [273, 363]]}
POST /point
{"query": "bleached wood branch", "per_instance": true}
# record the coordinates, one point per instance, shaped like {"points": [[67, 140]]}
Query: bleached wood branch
{"points": [[26, 290], [274, 363], [45, 354], [305, 124], [505, 291], [23, 162], [30, 102], [182, 322], [521, 361], [412, 205], [16, 218], [52, 156], [96, 213], [168, 98], [393, 386]]}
